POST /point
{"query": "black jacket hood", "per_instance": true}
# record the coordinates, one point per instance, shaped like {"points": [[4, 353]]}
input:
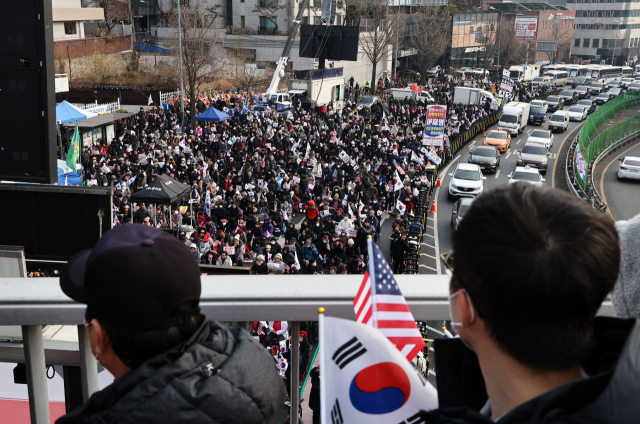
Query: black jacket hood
{"points": [[220, 375]]}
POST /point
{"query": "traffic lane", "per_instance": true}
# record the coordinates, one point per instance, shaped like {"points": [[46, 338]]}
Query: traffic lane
{"points": [[622, 195], [508, 162]]}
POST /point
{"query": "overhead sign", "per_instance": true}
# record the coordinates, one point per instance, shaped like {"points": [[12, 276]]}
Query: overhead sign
{"points": [[526, 26], [409, 52]]}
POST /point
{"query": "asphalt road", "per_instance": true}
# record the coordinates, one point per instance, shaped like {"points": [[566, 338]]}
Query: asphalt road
{"points": [[508, 162], [622, 196]]}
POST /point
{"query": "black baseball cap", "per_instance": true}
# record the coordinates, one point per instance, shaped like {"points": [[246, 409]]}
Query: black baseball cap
{"points": [[135, 277]]}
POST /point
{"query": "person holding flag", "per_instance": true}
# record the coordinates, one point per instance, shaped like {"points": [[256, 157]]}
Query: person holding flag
{"points": [[74, 150]]}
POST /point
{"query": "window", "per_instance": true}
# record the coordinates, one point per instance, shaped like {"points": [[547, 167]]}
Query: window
{"points": [[595, 43], [305, 20], [338, 19], [576, 44], [267, 24], [316, 20], [585, 42], [70, 28], [269, 3], [241, 21]]}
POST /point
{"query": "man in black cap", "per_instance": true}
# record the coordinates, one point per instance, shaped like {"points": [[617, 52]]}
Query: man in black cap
{"points": [[145, 327]]}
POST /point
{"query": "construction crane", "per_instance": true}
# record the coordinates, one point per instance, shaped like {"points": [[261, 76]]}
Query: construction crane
{"points": [[282, 101]]}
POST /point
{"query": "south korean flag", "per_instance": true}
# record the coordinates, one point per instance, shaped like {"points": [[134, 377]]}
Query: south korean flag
{"points": [[365, 379]]}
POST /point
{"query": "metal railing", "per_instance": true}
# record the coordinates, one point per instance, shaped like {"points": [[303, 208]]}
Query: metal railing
{"points": [[34, 302], [585, 153], [99, 107]]}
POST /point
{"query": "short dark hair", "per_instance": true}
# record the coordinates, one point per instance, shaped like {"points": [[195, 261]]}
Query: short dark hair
{"points": [[134, 347], [537, 263]]}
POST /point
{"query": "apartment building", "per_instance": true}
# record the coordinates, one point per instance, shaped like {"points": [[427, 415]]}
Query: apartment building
{"points": [[69, 17]]}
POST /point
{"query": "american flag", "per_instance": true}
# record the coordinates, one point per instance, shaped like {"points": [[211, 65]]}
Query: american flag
{"points": [[383, 306], [398, 167]]}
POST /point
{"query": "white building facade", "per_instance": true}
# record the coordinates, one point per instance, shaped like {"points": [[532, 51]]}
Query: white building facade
{"points": [[604, 28], [69, 17]]}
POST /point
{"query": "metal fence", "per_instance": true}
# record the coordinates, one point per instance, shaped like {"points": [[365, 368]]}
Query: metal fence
{"points": [[99, 107], [590, 148]]}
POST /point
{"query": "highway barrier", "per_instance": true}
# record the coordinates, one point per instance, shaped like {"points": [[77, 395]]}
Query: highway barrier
{"points": [[588, 148]]}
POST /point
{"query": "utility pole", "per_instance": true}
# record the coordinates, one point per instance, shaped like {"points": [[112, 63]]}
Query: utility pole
{"points": [[180, 54]]}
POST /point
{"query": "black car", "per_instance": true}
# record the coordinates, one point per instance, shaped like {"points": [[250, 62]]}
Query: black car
{"points": [[588, 104], [603, 98], [461, 206], [554, 103], [614, 84], [569, 96], [583, 80], [597, 88], [583, 92], [486, 157]]}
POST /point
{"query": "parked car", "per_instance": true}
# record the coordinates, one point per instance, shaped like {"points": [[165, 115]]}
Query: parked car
{"points": [[369, 101], [626, 82], [535, 155], [486, 157], [583, 92], [541, 103], [603, 98], [459, 209], [543, 80], [582, 80], [526, 174], [597, 88], [615, 92], [613, 84], [432, 71], [554, 103], [466, 181], [541, 136], [634, 86], [578, 113], [407, 72], [629, 168], [559, 121], [589, 104], [570, 96]]}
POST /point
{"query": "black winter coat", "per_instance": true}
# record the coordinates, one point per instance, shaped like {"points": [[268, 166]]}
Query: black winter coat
{"points": [[220, 375]]}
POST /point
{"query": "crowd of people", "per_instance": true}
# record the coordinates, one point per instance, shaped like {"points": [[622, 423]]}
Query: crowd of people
{"points": [[291, 192]]}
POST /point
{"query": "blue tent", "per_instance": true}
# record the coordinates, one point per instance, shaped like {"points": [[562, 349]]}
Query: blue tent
{"points": [[66, 113], [212, 114], [71, 178]]}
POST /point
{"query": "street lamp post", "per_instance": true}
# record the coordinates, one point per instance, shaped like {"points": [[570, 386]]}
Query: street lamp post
{"points": [[615, 43]]}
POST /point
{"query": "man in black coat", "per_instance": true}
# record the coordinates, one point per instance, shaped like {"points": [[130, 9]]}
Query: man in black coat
{"points": [[171, 365]]}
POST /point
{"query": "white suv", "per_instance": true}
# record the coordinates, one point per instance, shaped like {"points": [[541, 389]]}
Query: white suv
{"points": [[526, 174], [466, 181]]}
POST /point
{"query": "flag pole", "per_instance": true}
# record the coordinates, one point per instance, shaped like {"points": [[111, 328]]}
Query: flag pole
{"points": [[322, 368], [372, 282]]}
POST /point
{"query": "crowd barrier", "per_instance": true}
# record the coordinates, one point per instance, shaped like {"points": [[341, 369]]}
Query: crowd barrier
{"points": [[420, 209]]}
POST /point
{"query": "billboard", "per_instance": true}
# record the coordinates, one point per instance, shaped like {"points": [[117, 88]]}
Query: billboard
{"points": [[526, 26], [434, 125]]}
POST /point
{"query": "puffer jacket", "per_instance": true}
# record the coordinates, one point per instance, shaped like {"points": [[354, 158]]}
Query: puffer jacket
{"points": [[220, 375]]}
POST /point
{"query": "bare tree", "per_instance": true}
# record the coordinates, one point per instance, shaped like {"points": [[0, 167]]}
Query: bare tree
{"points": [[378, 31], [114, 12], [201, 45], [563, 35], [430, 37], [268, 9]]}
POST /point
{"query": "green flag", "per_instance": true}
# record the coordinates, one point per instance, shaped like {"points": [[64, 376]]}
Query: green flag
{"points": [[74, 150]]}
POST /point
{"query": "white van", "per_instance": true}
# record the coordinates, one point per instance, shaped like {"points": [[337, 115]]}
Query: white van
{"points": [[559, 78], [559, 121], [543, 80], [404, 93]]}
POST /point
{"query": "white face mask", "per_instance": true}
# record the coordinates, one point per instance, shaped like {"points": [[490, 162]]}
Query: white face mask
{"points": [[473, 314]]}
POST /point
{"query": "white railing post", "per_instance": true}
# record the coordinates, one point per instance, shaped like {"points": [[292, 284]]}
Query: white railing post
{"points": [[88, 365], [36, 374]]}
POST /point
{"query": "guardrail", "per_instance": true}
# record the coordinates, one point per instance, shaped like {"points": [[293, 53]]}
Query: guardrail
{"points": [[585, 153], [419, 219]]}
